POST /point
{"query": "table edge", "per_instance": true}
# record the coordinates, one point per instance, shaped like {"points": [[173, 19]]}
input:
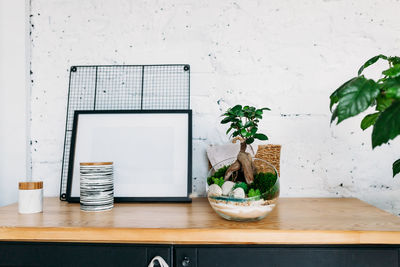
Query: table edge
{"points": [[196, 236]]}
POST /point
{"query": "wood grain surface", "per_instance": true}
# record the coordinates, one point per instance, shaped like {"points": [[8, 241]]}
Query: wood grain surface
{"points": [[293, 221]]}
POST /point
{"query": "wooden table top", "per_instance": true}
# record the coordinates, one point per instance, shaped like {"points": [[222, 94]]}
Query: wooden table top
{"points": [[293, 221]]}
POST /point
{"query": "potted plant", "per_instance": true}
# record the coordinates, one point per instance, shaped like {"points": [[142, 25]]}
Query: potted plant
{"points": [[243, 124], [360, 93], [243, 188]]}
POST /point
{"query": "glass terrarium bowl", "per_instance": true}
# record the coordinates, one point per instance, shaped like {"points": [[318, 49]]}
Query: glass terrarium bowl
{"points": [[248, 208]]}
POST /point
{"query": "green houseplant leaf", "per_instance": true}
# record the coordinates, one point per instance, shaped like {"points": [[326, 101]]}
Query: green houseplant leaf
{"points": [[358, 94], [396, 167], [226, 120], [335, 95], [355, 96], [393, 92], [260, 136], [249, 140], [229, 129], [370, 62], [369, 120], [334, 115], [236, 109], [393, 71], [394, 60], [253, 130], [387, 126], [382, 102]]}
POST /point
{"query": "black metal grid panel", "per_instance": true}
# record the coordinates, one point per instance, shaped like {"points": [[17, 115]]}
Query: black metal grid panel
{"points": [[126, 87], [165, 95], [119, 88]]}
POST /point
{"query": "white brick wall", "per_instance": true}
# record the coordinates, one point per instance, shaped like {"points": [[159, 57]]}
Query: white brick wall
{"points": [[14, 97], [286, 55]]}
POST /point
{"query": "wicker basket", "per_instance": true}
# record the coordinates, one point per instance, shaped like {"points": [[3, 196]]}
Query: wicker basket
{"points": [[270, 153]]}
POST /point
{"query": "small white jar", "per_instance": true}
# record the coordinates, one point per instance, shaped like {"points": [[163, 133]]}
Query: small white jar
{"points": [[30, 197]]}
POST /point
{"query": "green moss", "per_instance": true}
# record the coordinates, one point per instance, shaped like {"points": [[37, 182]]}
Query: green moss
{"points": [[210, 180], [254, 193], [220, 173], [264, 181], [272, 193], [219, 181]]}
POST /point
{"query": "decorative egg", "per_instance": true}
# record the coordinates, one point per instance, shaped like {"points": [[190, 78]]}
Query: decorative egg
{"points": [[214, 190], [238, 193], [227, 187]]}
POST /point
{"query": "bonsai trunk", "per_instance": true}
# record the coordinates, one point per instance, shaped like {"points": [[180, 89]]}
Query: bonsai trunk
{"points": [[243, 163]]}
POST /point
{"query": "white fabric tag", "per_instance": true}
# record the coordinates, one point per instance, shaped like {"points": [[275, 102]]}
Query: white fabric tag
{"points": [[218, 153], [160, 260]]}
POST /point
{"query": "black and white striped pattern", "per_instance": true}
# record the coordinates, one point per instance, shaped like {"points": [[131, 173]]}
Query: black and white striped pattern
{"points": [[96, 187]]}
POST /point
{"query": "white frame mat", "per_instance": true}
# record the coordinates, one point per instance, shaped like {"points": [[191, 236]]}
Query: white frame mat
{"points": [[151, 151]]}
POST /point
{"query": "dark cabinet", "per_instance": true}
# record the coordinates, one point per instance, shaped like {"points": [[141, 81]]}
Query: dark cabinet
{"points": [[85, 254], [287, 256], [80, 254], [185, 256]]}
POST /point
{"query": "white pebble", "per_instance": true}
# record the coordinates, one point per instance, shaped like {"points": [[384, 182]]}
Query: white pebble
{"points": [[227, 187], [214, 190], [238, 193]]}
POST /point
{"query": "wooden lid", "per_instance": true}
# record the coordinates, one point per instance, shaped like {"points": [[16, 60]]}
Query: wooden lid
{"points": [[95, 163], [30, 185]]}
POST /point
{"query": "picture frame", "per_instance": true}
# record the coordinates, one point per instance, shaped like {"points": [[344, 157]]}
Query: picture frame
{"points": [[151, 151]]}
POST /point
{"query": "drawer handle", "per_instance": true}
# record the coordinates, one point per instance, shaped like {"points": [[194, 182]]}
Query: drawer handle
{"points": [[158, 261], [186, 262]]}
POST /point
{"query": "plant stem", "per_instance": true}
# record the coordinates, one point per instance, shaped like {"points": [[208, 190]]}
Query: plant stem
{"points": [[243, 146]]}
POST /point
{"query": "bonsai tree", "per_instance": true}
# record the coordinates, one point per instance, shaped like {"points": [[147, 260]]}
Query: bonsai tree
{"points": [[360, 93], [244, 125]]}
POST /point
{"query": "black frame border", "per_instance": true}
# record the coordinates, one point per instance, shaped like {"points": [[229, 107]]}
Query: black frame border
{"points": [[131, 199]]}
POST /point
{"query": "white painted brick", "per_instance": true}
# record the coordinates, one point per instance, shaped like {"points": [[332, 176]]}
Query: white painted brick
{"points": [[286, 55]]}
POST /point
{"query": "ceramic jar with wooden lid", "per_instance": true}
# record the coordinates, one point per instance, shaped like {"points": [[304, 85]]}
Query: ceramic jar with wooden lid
{"points": [[30, 197]]}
